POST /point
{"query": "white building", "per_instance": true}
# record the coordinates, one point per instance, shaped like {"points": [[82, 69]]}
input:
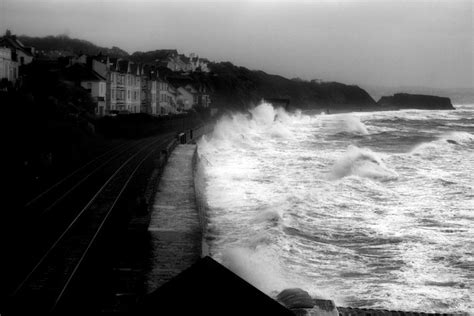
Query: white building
{"points": [[166, 98], [8, 67]]}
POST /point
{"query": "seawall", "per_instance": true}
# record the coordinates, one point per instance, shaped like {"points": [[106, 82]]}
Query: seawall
{"points": [[201, 205], [175, 227]]}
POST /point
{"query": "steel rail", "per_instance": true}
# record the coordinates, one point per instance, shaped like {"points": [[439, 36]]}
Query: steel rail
{"points": [[71, 174], [46, 254], [47, 209], [91, 242]]}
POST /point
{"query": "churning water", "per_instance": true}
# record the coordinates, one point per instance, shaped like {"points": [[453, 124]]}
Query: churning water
{"points": [[369, 209]]}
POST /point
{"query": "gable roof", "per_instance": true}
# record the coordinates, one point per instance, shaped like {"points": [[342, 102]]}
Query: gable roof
{"points": [[16, 44], [80, 72], [208, 288], [122, 65]]}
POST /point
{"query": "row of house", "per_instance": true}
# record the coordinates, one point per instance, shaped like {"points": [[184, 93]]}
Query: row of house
{"points": [[170, 59], [119, 85], [124, 86]]}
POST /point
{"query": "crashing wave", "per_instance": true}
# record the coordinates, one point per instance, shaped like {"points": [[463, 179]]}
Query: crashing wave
{"points": [[446, 141], [259, 266], [343, 123], [363, 163], [245, 129]]}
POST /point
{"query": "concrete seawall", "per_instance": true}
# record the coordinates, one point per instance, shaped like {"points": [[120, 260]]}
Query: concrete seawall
{"points": [[201, 204], [176, 220], [175, 231]]}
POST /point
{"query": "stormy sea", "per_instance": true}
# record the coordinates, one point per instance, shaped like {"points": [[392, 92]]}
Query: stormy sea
{"points": [[370, 209]]}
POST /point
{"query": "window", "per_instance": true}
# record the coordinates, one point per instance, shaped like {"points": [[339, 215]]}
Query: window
{"points": [[128, 94]]}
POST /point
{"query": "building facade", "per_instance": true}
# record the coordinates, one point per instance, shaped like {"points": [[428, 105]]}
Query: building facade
{"points": [[20, 53], [82, 75], [186, 98], [166, 98], [8, 67], [97, 89]]}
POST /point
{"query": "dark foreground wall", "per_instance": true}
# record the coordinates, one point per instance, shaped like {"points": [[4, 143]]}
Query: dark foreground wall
{"points": [[416, 101]]}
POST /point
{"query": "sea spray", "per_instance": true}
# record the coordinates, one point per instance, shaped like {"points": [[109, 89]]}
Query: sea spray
{"points": [[446, 141], [363, 163], [258, 266], [308, 208], [343, 123]]}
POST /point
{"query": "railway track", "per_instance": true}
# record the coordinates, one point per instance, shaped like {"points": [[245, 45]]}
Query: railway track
{"points": [[63, 224]]}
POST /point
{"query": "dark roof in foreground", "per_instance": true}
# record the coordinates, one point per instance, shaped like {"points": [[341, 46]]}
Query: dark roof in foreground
{"points": [[208, 288]]}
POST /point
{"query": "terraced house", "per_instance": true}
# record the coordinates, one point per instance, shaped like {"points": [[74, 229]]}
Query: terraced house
{"points": [[131, 87], [123, 86], [90, 80], [166, 97]]}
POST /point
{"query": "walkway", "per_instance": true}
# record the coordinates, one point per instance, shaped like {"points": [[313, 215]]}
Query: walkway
{"points": [[174, 226]]}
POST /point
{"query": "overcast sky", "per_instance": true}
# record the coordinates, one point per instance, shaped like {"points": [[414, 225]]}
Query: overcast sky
{"points": [[384, 42]]}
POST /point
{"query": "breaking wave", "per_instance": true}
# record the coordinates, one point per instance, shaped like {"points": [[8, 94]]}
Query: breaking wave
{"points": [[259, 266], [447, 141], [363, 163], [343, 123]]}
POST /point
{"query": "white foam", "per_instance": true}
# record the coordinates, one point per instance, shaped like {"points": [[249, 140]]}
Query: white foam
{"points": [[447, 141], [343, 123], [459, 137], [266, 170], [260, 267], [363, 163]]}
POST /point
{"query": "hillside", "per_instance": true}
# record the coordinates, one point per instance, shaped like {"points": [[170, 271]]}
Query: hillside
{"points": [[238, 87], [151, 57], [65, 44], [231, 86]]}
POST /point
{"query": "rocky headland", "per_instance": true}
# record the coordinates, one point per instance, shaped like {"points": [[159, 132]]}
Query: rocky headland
{"points": [[416, 101]]}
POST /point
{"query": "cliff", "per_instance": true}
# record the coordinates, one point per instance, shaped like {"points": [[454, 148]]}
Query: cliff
{"points": [[416, 101], [238, 87], [230, 86]]}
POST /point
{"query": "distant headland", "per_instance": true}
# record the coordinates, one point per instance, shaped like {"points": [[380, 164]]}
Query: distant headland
{"points": [[416, 101]]}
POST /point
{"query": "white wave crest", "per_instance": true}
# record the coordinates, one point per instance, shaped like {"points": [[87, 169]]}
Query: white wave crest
{"points": [[249, 129], [343, 123], [363, 163], [447, 141], [458, 137]]}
